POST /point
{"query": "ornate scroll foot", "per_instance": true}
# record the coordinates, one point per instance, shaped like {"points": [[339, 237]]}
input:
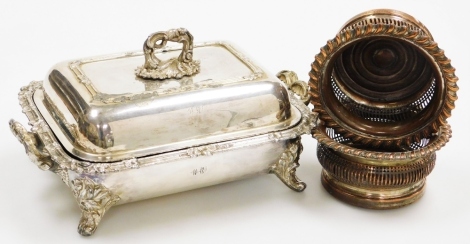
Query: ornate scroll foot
{"points": [[94, 200], [289, 161]]}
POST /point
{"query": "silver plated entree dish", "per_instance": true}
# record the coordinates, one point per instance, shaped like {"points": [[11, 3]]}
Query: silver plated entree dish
{"points": [[136, 125]]}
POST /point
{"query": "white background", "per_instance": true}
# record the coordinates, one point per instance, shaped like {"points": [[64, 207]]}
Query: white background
{"points": [[36, 207]]}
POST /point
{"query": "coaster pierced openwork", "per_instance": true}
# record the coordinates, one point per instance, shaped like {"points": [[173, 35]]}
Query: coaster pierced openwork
{"points": [[384, 90]]}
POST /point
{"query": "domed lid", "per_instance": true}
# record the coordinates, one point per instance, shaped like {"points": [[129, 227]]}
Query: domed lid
{"points": [[134, 104]]}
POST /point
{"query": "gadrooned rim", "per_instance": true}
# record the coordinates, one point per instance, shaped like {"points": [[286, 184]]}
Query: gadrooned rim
{"points": [[437, 142], [414, 36]]}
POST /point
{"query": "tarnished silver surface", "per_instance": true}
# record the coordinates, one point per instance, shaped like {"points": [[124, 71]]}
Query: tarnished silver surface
{"points": [[101, 112], [98, 186]]}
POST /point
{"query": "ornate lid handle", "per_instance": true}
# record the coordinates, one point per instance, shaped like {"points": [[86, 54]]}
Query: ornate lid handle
{"points": [[155, 68]]}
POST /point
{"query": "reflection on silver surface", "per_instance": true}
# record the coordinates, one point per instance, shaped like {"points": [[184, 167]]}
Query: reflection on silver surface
{"points": [[100, 185], [101, 112], [115, 138]]}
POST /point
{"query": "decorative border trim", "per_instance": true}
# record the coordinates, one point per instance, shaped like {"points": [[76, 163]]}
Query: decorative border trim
{"points": [[64, 162]]}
